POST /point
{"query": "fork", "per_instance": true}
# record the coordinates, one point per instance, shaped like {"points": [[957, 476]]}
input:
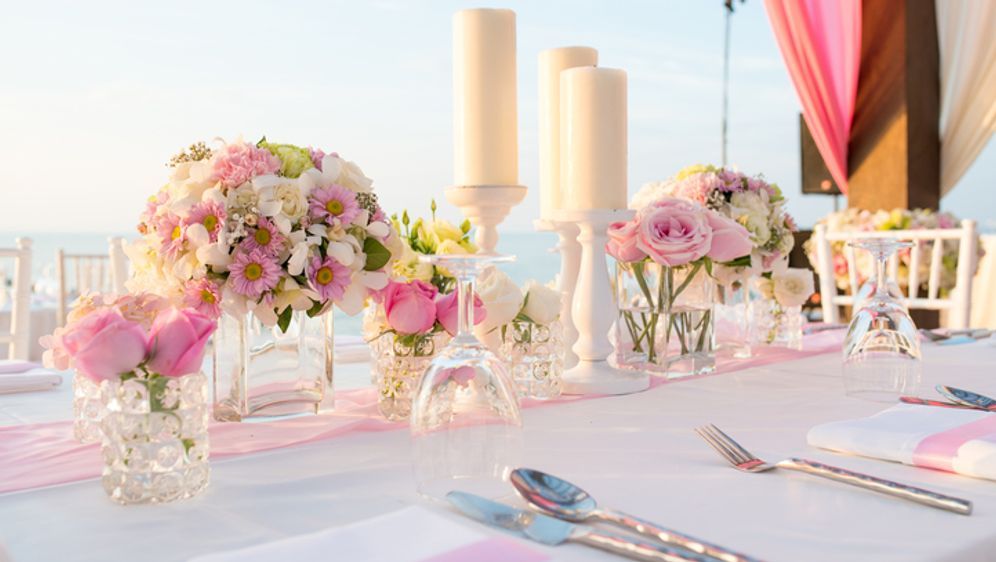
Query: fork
{"points": [[743, 460]]}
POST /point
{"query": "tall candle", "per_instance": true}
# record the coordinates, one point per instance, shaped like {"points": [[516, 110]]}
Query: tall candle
{"points": [[593, 137], [486, 149], [551, 63]]}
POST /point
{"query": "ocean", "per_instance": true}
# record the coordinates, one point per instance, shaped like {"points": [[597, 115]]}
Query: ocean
{"points": [[533, 251]]}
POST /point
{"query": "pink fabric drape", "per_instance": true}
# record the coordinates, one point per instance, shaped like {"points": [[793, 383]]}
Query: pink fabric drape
{"points": [[820, 41]]}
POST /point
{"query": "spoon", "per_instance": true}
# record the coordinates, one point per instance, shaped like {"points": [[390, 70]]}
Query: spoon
{"points": [[966, 398], [565, 500]]}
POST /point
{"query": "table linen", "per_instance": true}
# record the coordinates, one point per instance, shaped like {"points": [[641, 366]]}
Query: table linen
{"points": [[636, 453], [962, 441], [411, 534]]}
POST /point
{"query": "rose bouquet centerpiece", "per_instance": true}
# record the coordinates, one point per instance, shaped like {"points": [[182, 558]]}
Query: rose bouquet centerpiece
{"points": [[140, 360], [268, 236], [532, 341], [777, 317], [665, 259], [413, 318], [757, 205], [858, 220]]}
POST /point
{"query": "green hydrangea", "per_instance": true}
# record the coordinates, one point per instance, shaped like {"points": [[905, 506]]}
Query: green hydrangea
{"points": [[294, 160]]}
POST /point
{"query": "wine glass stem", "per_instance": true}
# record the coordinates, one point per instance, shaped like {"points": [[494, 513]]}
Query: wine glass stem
{"points": [[465, 306], [882, 259]]}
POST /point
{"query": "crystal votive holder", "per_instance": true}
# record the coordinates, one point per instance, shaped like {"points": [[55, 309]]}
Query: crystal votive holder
{"points": [[535, 357], [155, 438], [88, 409], [399, 362]]}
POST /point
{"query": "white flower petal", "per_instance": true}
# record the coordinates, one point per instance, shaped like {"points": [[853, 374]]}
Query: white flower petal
{"points": [[342, 253]]}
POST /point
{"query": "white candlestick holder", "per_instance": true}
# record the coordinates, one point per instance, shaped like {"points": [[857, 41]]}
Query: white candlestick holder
{"points": [[486, 206], [594, 310]]}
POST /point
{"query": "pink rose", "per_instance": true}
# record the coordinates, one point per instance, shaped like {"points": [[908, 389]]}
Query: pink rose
{"points": [[622, 241], [177, 340], [730, 240], [673, 232], [103, 345], [447, 311], [410, 307]]}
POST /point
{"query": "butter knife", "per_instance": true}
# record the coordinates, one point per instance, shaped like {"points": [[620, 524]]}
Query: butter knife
{"points": [[551, 531]]}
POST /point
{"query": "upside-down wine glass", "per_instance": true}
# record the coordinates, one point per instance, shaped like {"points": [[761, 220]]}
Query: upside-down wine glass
{"points": [[882, 347], [465, 422]]}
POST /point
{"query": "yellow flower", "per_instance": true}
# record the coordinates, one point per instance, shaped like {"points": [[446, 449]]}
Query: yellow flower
{"points": [[469, 246], [450, 247], [445, 230]]}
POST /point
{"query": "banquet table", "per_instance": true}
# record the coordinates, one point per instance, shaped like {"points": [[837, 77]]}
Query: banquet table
{"points": [[636, 453]]}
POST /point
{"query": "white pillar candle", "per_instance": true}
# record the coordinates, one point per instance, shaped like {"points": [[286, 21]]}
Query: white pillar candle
{"points": [[486, 149], [593, 138], [551, 63]]}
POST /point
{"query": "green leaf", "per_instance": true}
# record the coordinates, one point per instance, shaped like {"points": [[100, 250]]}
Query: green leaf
{"points": [[284, 319], [188, 443], [316, 309], [377, 254]]}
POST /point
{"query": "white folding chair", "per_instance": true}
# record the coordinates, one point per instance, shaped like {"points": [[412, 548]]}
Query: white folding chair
{"points": [[957, 303], [17, 338], [88, 273]]}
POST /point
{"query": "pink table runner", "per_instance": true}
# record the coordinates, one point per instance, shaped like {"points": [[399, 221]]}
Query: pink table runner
{"points": [[46, 454]]}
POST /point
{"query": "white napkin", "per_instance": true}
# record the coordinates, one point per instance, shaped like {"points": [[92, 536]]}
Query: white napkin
{"points": [[961, 441], [21, 376], [412, 534]]}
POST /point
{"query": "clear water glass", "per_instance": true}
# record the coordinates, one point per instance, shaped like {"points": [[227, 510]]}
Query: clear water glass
{"points": [[882, 357], [465, 422]]}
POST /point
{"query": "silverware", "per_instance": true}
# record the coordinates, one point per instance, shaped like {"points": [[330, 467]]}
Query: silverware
{"points": [[966, 398], [926, 402], [742, 460], [551, 531], [565, 500]]}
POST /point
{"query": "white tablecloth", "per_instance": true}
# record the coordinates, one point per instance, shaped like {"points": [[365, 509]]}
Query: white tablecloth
{"points": [[635, 453]]}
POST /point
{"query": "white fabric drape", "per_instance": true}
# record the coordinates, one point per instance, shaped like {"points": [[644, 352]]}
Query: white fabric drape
{"points": [[965, 31]]}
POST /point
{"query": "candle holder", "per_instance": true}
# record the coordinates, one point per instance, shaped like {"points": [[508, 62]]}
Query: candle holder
{"points": [[594, 310], [486, 206], [570, 262]]}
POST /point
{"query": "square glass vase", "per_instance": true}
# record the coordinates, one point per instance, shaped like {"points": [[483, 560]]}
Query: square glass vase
{"points": [[534, 354], [775, 325], [262, 372], [666, 319], [398, 364]]}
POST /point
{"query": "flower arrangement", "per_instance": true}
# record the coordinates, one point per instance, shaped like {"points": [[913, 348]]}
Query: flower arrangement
{"points": [[436, 236], [108, 338], [264, 228], [858, 220], [749, 200], [680, 241]]}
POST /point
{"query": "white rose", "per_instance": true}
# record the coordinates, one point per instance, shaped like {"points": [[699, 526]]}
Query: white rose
{"points": [[542, 303], [502, 299], [792, 286], [649, 193]]}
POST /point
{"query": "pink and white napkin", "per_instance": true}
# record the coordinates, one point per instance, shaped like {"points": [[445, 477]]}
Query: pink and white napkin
{"points": [[24, 376], [953, 440], [412, 534]]}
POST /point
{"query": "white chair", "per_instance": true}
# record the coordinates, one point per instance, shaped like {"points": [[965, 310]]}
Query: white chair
{"points": [[100, 273], [957, 303], [17, 337]]}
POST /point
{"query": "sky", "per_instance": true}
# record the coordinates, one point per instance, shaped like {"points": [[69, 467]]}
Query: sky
{"points": [[96, 96]]}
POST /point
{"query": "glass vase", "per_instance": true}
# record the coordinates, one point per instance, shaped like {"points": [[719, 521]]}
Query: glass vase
{"points": [[775, 325], [666, 319], [261, 371], [733, 320], [399, 362], [155, 438], [88, 409], [535, 357]]}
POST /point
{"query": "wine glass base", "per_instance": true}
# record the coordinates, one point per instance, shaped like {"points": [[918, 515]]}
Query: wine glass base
{"points": [[598, 377]]}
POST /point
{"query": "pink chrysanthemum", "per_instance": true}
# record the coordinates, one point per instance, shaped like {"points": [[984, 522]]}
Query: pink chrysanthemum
{"points": [[253, 273], [266, 237], [240, 162], [332, 204], [211, 215], [316, 156], [328, 278], [203, 295], [171, 234]]}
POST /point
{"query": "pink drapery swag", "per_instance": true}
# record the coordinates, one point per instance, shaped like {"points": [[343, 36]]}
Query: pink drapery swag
{"points": [[968, 84], [820, 41]]}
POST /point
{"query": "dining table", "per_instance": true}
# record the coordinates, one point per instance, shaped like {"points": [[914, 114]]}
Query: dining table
{"points": [[637, 453]]}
